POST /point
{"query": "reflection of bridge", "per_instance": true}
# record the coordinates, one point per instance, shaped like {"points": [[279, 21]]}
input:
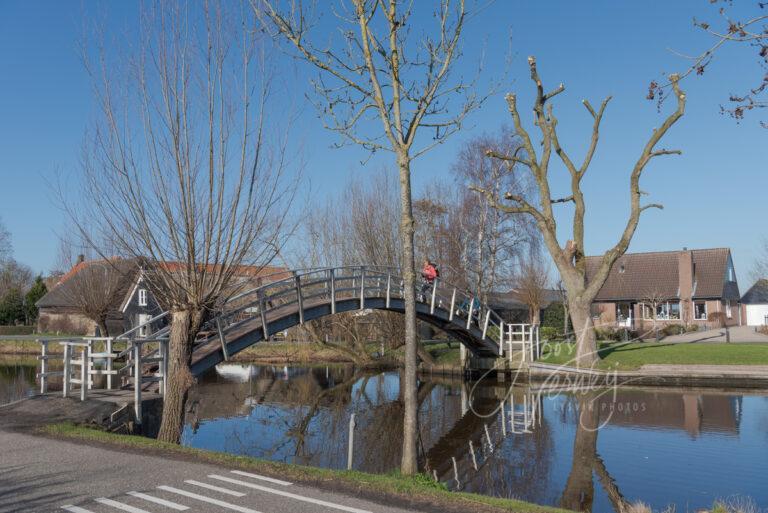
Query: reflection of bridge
{"points": [[307, 295], [292, 299]]}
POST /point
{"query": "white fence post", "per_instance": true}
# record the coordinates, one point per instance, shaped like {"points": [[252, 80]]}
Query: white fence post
{"points": [[84, 375], [351, 441], [67, 369], [43, 366], [137, 380], [108, 350]]}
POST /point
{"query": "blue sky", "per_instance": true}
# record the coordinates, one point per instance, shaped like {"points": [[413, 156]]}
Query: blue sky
{"points": [[714, 195]]}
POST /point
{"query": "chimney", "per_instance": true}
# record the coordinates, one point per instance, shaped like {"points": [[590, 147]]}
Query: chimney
{"points": [[80, 259], [685, 283]]}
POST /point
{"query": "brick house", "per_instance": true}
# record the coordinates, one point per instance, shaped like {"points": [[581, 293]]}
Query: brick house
{"points": [[668, 287], [132, 303]]}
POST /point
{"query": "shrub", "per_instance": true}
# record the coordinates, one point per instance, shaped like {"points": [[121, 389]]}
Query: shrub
{"points": [[717, 319], [691, 328], [552, 317], [673, 329], [550, 333], [16, 330]]}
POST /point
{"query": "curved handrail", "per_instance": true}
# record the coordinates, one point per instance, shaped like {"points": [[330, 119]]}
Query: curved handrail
{"points": [[344, 282]]}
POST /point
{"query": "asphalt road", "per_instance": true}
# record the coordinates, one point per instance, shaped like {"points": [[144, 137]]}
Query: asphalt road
{"points": [[39, 474]]}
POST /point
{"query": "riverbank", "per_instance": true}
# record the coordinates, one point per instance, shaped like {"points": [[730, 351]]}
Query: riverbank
{"points": [[628, 356], [418, 492]]}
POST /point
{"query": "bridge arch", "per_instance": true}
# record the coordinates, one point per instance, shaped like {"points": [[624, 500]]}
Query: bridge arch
{"points": [[309, 294]]}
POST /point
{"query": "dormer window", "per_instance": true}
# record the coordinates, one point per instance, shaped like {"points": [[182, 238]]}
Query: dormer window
{"points": [[621, 269], [142, 297]]}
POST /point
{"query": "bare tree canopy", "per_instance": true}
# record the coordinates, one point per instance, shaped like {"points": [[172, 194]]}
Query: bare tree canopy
{"points": [[747, 30], [6, 248], [760, 266], [531, 285], [186, 166], [570, 259], [97, 288], [381, 84]]}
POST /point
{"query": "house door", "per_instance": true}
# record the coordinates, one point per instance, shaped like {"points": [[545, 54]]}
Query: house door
{"points": [[624, 313]]}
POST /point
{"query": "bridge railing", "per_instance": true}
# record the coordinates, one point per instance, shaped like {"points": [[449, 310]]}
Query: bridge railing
{"points": [[330, 285]]}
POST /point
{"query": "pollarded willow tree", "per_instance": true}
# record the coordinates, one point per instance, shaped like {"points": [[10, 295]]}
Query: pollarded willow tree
{"points": [[570, 258], [380, 85], [180, 170]]}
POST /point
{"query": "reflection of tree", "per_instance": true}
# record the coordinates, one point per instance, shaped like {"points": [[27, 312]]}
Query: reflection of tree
{"points": [[579, 488]]}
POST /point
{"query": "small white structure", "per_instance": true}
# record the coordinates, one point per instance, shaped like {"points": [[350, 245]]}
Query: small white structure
{"points": [[755, 303]]}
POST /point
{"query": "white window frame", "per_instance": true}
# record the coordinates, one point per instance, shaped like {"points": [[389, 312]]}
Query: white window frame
{"points": [[143, 297], [728, 312], [664, 309], [706, 312], [143, 318]]}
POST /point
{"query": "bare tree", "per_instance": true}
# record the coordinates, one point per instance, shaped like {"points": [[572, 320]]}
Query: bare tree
{"points": [[96, 289], [382, 72], [181, 171], [570, 259], [6, 248], [760, 266], [531, 285], [749, 31], [649, 304], [495, 239]]}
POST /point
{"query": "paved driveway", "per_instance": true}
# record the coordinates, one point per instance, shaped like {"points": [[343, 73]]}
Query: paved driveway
{"points": [[738, 334]]}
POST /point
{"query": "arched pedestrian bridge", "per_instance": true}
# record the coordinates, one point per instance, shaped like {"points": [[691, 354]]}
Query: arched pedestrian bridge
{"points": [[310, 294]]}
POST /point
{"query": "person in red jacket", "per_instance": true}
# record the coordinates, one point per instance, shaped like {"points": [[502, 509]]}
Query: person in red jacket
{"points": [[428, 273]]}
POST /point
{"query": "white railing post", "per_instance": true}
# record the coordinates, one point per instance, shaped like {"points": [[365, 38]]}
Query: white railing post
{"points": [[389, 288], [222, 339], [137, 380], [362, 288], [84, 374], [262, 308], [501, 337], [434, 292], [453, 304], [530, 343], [299, 296], [470, 310], [90, 364], [43, 366], [333, 291], [110, 367], [487, 320], [67, 369]]}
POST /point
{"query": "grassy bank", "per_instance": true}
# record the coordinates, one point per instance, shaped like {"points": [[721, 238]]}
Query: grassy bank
{"points": [[633, 355], [415, 491]]}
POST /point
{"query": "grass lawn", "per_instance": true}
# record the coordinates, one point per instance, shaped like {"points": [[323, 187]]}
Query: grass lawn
{"points": [[382, 487], [633, 355]]}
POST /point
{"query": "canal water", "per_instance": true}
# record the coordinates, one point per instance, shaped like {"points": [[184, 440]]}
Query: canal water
{"points": [[588, 452]]}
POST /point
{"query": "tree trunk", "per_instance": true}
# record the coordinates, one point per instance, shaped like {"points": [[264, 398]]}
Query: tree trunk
{"points": [[579, 488], [409, 463], [184, 328], [586, 344], [102, 324]]}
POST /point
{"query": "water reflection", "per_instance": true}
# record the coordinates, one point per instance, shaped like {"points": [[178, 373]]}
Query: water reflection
{"points": [[596, 452]]}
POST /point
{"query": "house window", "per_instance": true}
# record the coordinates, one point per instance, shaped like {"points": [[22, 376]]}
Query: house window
{"points": [[728, 308], [668, 311], [700, 310], [142, 297], [646, 312], [144, 327]]}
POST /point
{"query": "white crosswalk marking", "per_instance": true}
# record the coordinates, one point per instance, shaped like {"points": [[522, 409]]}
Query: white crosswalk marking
{"points": [[263, 478], [288, 494], [202, 498], [120, 505], [215, 488], [75, 509], [158, 500]]}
